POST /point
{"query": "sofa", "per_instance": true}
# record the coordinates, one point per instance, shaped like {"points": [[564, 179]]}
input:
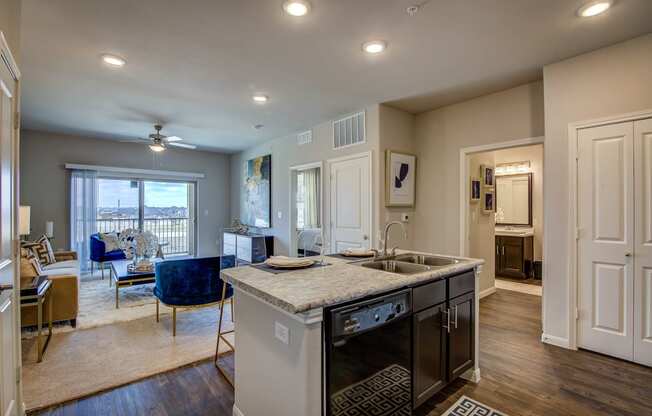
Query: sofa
{"points": [[64, 274], [99, 254]]}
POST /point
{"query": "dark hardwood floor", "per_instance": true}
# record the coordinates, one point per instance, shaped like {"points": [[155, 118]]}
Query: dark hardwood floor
{"points": [[520, 376]]}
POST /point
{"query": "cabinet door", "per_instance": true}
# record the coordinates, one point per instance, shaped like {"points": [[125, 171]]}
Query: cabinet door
{"points": [[429, 372], [512, 257], [499, 257], [461, 342]]}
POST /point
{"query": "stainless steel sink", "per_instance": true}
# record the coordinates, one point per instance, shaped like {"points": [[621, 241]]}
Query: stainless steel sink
{"points": [[423, 259], [394, 266]]}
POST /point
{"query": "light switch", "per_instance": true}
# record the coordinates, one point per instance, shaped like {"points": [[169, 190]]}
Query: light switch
{"points": [[282, 333], [280, 215]]}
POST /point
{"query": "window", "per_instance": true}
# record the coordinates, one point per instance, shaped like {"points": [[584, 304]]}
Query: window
{"points": [[163, 207]]}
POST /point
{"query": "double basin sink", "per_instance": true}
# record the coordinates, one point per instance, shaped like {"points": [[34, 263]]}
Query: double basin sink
{"points": [[409, 263]]}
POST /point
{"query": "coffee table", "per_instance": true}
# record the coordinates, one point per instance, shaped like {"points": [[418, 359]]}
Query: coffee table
{"points": [[121, 277]]}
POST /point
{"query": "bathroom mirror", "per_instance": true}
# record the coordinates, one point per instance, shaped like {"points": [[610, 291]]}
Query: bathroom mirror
{"points": [[514, 199]]}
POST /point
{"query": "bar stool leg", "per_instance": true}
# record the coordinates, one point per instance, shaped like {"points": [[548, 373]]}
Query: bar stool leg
{"points": [[220, 335]]}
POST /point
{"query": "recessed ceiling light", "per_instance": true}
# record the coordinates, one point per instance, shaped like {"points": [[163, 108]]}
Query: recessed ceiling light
{"points": [[259, 98], [113, 60], [296, 8], [594, 8], [374, 46]]}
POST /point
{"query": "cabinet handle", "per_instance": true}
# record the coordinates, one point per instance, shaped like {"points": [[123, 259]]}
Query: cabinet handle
{"points": [[448, 320], [455, 317], [503, 250], [497, 250]]}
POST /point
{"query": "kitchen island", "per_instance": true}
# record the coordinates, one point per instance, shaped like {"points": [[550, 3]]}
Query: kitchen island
{"points": [[302, 335]]}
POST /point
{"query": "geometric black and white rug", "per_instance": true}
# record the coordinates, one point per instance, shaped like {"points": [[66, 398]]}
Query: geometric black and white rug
{"points": [[385, 393], [470, 407]]}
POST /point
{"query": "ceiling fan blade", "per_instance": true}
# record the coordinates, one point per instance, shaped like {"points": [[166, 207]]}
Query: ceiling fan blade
{"points": [[185, 146], [173, 139], [134, 140]]}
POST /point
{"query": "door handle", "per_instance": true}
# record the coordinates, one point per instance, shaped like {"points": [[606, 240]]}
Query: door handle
{"points": [[448, 320], [628, 254], [365, 237], [455, 323]]}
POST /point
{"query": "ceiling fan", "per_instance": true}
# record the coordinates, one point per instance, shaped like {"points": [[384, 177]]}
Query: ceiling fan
{"points": [[159, 142]]}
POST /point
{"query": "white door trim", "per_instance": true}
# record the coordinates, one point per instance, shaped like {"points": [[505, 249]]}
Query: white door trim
{"points": [[368, 155], [293, 216], [464, 189], [573, 281]]}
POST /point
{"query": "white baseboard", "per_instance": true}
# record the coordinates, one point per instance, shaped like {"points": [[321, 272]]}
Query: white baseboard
{"points": [[236, 411], [487, 292], [472, 375], [556, 341]]}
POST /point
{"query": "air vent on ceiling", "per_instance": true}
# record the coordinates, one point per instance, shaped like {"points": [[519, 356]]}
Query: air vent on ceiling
{"points": [[349, 130], [304, 138]]}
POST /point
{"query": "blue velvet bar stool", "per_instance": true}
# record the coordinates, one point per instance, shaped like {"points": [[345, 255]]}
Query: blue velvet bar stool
{"points": [[191, 283]]}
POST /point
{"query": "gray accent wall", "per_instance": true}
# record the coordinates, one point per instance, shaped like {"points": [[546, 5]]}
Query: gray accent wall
{"points": [[45, 183]]}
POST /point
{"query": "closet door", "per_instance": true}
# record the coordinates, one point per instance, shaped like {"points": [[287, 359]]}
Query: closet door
{"points": [[643, 247], [606, 239]]}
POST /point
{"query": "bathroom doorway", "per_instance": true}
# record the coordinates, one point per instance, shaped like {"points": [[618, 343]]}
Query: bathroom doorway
{"points": [[306, 210], [503, 221]]}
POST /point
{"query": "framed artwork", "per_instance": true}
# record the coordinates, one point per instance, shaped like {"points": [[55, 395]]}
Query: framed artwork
{"points": [[488, 180], [400, 180], [488, 202], [475, 189], [258, 192]]}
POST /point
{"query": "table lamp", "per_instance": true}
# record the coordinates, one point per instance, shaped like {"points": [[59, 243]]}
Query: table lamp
{"points": [[23, 221]]}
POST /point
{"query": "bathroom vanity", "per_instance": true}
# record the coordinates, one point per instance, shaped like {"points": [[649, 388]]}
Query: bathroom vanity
{"points": [[307, 339]]}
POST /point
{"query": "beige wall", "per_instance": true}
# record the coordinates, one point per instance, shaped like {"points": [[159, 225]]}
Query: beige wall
{"points": [[533, 154], [606, 82], [45, 183], [513, 114], [482, 237], [285, 154], [396, 132], [10, 25]]}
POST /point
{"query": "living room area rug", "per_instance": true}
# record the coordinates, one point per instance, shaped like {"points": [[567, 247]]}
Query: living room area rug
{"points": [[87, 361], [111, 347]]}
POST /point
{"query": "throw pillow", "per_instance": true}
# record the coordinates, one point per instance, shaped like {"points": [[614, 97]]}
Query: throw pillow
{"points": [[111, 242], [42, 250], [29, 264]]}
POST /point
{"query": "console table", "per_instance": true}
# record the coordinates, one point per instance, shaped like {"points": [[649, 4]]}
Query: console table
{"points": [[248, 248], [33, 292]]}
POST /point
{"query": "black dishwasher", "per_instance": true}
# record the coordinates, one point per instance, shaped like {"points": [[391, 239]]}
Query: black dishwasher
{"points": [[367, 357]]}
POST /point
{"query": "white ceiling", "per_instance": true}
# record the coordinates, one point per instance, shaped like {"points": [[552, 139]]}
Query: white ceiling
{"points": [[195, 64]]}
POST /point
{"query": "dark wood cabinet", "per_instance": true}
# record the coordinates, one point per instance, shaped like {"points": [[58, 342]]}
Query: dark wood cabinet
{"points": [[514, 256], [461, 339], [443, 334], [429, 348]]}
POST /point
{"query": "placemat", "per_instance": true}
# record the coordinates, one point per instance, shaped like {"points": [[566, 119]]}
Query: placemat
{"points": [[269, 269], [348, 258]]}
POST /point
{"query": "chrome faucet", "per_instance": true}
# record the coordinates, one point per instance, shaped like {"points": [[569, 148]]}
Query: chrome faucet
{"points": [[385, 240]]}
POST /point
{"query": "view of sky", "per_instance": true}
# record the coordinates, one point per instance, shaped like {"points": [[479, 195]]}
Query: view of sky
{"points": [[157, 194]]}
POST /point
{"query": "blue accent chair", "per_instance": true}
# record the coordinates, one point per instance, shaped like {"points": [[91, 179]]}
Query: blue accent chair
{"points": [[99, 255], [192, 283]]}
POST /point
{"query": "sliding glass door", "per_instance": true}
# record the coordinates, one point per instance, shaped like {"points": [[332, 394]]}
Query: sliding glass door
{"points": [[165, 208]]}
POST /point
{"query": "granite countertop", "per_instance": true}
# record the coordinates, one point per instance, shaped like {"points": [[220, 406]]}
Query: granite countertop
{"points": [[303, 290]]}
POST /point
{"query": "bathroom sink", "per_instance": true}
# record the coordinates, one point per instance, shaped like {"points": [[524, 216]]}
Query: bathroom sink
{"points": [[423, 259], [394, 266]]}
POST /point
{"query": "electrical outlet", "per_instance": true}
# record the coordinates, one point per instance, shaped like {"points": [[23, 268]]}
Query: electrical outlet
{"points": [[405, 217], [282, 333]]}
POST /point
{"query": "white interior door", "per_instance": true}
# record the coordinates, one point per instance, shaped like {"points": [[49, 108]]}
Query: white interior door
{"points": [[9, 329], [643, 246], [606, 239], [350, 213]]}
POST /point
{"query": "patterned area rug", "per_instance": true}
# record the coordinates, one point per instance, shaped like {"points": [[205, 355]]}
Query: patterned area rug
{"points": [[469, 407], [386, 393]]}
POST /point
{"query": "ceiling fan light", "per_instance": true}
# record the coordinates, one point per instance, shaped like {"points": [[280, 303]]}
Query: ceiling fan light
{"points": [[157, 147], [594, 8]]}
